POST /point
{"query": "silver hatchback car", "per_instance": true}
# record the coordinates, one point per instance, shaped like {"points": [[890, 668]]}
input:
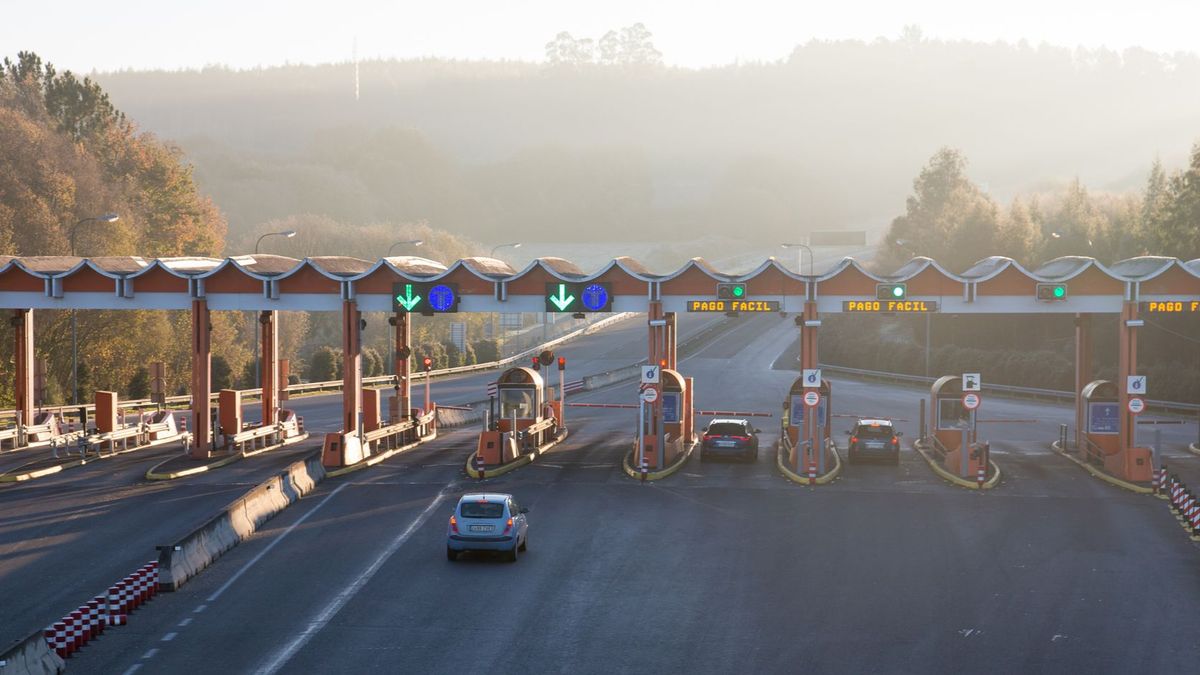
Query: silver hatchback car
{"points": [[487, 521]]}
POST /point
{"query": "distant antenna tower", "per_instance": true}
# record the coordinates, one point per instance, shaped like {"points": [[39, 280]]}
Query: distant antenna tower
{"points": [[356, 68]]}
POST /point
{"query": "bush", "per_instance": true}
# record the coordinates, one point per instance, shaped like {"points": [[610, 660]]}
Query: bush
{"points": [[139, 384], [325, 364], [222, 374], [486, 351]]}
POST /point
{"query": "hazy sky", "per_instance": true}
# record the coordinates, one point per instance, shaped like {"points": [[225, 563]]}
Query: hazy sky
{"points": [[89, 35]]}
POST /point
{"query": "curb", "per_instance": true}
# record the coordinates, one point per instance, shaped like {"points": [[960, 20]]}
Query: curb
{"points": [[657, 475], [521, 461], [805, 480], [375, 459], [71, 464], [151, 474], [958, 480], [1125, 485], [1193, 448]]}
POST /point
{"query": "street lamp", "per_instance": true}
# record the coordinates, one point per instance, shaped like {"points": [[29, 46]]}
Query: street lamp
{"points": [[800, 257], [414, 242], [286, 233], [106, 218], [500, 246]]}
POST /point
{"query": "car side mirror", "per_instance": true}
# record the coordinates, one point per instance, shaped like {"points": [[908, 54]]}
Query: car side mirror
{"points": [[758, 431], [899, 433], [848, 432], [524, 509]]}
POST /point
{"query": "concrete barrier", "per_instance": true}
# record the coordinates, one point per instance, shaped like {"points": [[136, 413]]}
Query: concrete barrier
{"points": [[180, 561], [31, 656]]}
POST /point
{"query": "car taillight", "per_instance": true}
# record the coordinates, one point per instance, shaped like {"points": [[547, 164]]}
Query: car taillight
{"points": [[508, 526], [854, 439], [740, 438], [708, 437], [453, 524], [895, 441]]}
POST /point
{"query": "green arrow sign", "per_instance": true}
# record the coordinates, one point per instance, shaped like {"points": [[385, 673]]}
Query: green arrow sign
{"points": [[408, 300], [562, 301]]}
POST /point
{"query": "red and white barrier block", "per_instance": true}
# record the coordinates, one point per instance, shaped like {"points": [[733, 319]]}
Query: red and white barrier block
{"points": [[77, 628]]}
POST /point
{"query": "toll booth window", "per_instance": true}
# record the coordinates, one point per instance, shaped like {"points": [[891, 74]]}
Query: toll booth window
{"points": [[516, 401], [670, 404], [951, 413]]}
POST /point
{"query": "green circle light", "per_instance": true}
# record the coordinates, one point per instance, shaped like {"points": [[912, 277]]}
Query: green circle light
{"points": [[1059, 291], [898, 291], [739, 291]]}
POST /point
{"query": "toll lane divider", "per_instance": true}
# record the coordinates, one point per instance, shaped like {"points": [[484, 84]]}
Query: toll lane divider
{"points": [[642, 474], [45, 651], [1113, 480], [783, 447], [1184, 503], [993, 468], [476, 470], [154, 474], [26, 472], [386, 454]]}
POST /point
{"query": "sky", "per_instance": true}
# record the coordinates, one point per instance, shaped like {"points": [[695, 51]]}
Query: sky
{"points": [[86, 36]]}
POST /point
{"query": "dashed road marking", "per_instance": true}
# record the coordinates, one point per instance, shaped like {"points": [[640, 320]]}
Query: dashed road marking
{"points": [[185, 622], [133, 669], [169, 636], [199, 609], [150, 654]]}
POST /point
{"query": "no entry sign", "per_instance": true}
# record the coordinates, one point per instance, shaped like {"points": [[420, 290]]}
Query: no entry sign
{"points": [[1136, 405], [971, 401], [811, 399]]}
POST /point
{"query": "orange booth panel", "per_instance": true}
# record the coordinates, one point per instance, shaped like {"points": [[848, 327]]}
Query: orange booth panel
{"points": [[106, 412]]}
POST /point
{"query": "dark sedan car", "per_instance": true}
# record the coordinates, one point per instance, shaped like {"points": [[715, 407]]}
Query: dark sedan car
{"points": [[730, 438], [875, 439]]}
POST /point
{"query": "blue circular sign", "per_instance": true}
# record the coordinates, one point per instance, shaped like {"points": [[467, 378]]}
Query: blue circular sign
{"points": [[595, 297], [441, 298]]}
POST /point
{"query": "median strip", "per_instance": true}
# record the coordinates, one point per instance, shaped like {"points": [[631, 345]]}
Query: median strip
{"points": [[990, 483]]}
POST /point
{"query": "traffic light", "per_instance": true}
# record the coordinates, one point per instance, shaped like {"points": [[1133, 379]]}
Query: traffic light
{"points": [[537, 363], [1051, 292], [731, 291], [562, 363], [428, 364], [890, 291]]}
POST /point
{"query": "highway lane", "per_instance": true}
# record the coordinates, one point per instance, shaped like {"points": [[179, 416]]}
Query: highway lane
{"points": [[66, 537], [725, 567]]}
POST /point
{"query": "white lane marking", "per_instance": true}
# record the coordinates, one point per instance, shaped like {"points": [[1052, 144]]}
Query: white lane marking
{"points": [[216, 594], [185, 622], [169, 636], [150, 654], [1058, 637], [199, 609], [133, 669], [280, 659]]}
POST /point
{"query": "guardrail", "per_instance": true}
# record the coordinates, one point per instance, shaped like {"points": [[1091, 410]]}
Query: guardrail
{"points": [[1056, 394]]}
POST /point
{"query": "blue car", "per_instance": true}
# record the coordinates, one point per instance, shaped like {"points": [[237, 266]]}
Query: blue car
{"points": [[487, 522]]}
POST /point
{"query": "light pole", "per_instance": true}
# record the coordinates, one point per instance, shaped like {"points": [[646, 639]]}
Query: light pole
{"points": [[106, 218], [287, 234], [414, 242], [492, 254], [801, 248]]}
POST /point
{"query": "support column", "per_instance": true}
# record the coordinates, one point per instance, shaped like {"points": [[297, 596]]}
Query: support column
{"points": [[1126, 366], [672, 341], [201, 380], [269, 367], [402, 401], [808, 360], [351, 365], [22, 322], [1083, 373], [656, 355]]}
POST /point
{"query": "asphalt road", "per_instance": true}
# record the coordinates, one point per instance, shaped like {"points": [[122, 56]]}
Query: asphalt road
{"points": [[67, 537], [722, 568]]}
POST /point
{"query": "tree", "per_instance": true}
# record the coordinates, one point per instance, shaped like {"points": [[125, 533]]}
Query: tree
{"points": [[325, 364], [487, 350], [139, 385], [1178, 232], [1018, 236], [221, 374], [566, 50], [631, 46], [1075, 226]]}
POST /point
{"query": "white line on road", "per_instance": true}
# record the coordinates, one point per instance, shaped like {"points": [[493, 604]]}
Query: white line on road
{"points": [[150, 654], [169, 636], [280, 659], [185, 622], [133, 669], [199, 609], [270, 546]]}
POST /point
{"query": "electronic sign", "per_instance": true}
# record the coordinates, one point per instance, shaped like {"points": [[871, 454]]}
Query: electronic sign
{"points": [[424, 297], [750, 306], [591, 296], [889, 306]]}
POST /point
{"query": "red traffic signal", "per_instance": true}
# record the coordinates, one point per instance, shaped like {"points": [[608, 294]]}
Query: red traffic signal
{"points": [[428, 363], [562, 363], [537, 364]]}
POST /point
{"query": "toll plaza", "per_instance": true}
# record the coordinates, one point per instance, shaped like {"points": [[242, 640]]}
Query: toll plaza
{"points": [[952, 432], [806, 430], [520, 419], [1100, 434]]}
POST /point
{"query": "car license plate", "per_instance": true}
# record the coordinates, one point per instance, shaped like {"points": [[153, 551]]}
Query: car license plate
{"points": [[725, 444], [481, 528]]}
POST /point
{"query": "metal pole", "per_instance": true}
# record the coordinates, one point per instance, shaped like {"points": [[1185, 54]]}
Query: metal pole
{"points": [[74, 362], [966, 452], [928, 323]]}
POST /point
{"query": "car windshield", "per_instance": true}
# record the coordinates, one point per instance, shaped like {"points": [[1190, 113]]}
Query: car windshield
{"points": [[880, 431], [482, 509], [727, 429]]}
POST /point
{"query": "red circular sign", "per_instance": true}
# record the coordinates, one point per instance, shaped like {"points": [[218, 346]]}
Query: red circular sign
{"points": [[1136, 405], [971, 400], [811, 399]]}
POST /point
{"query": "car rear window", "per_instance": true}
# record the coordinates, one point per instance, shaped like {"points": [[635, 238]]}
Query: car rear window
{"points": [[875, 432], [727, 429], [482, 509]]}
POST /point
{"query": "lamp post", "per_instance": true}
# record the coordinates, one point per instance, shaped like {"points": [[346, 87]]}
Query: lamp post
{"points": [[414, 242], [106, 218], [801, 248], [287, 234]]}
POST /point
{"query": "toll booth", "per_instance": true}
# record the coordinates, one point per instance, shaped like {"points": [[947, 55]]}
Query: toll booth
{"points": [[1101, 437], [519, 406], [951, 426], [678, 421], [793, 420]]}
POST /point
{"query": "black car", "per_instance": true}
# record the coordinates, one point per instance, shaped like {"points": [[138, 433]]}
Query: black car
{"points": [[730, 438], [874, 439]]}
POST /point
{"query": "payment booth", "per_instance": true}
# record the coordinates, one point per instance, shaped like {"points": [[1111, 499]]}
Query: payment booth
{"points": [[662, 446], [794, 412], [952, 428], [519, 405], [1101, 437]]}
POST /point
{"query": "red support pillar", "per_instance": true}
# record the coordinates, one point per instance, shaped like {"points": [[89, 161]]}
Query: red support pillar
{"points": [[201, 379], [808, 361], [1126, 366], [1083, 372], [672, 342], [351, 365], [657, 343], [402, 402], [268, 322], [22, 322]]}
